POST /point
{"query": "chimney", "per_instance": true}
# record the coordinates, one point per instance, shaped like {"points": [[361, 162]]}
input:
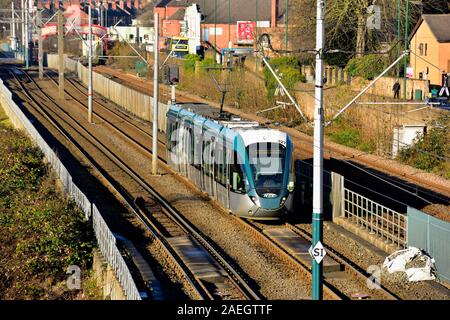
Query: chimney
{"points": [[274, 13]]}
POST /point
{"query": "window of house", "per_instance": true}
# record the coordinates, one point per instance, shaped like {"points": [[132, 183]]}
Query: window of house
{"points": [[425, 50], [421, 49]]}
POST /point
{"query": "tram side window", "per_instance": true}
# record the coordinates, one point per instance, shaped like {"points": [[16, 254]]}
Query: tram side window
{"points": [[237, 179], [220, 168], [207, 166], [169, 135]]}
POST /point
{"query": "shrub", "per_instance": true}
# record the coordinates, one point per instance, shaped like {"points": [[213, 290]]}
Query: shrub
{"points": [[289, 67], [367, 67], [352, 138], [189, 61], [430, 151], [41, 232]]}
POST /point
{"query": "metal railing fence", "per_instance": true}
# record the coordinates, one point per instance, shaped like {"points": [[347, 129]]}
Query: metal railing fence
{"points": [[104, 236], [375, 218]]}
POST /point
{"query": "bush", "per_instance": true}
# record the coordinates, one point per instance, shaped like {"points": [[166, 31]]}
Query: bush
{"points": [[430, 151], [367, 67], [289, 67], [41, 232], [189, 61], [352, 138]]}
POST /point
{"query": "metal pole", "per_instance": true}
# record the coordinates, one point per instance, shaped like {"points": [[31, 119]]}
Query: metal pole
{"points": [[13, 27], [287, 27], [406, 48], [155, 96], [368, 87], [283, 87], [398, 35], [256, 35], [215, 29], [27, 42], [229, 23], [90, 66], [40, 52], [61, 54], [317, 220], [11, 24], [173, 94], [22, 42]]}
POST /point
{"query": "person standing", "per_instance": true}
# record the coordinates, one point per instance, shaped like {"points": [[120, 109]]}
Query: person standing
{"points": [[445, 86], [396, 89]]}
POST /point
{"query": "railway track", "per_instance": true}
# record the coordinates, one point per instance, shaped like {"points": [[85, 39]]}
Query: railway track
{"points": [[348, 266], [172, 228], [292, 244], [208, 273], [281, 251]]}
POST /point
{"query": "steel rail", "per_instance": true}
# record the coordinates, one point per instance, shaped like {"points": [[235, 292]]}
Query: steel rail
{"points": [[240, 283], [120, 194], [350, 267]]}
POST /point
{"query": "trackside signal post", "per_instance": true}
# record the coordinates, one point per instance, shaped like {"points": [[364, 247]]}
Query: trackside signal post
{"points": [[317, 214]]}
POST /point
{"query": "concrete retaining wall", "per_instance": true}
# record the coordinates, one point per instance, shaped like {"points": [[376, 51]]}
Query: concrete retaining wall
{"points": [[106, 279], [135, 102]]}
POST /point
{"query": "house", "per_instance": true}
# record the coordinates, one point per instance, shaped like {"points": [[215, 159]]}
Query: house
{"points": [[105, 12], [133, 34], [222, 24], [430, 48]]}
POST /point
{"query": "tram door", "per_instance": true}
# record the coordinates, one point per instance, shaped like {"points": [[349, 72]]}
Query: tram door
{"points": [[208, 167], [183, 150]]}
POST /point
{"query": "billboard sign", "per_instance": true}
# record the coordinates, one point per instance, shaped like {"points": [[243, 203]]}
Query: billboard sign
{"points": [[246, 32]]}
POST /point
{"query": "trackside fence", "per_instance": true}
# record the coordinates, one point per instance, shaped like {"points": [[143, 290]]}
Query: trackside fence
{"points": [[387, 224], [378, 220], [105, 238], [433, 236]]}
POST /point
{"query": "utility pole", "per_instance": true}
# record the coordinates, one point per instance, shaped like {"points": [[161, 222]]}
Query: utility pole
{"points": [[406, 48], [229, 24], [90, 67], [155, 96], [398, 36], [13, 28], [22, 41], [215, 30], [40, 52], [27, 41], [287, 26], [317, 214], [60, 55]]}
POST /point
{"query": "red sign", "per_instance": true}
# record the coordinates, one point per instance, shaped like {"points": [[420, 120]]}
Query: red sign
{"points": [[246, 31]]}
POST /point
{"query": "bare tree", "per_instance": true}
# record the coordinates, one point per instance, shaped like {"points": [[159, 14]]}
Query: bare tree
{"points": [[346, 21]]}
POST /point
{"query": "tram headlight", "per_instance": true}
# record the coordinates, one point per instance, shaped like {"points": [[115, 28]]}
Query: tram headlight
{"points": [[253, 199], [283, 200]]}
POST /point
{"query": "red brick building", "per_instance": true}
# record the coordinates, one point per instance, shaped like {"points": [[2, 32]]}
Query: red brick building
{"points": [[219, 25]]}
